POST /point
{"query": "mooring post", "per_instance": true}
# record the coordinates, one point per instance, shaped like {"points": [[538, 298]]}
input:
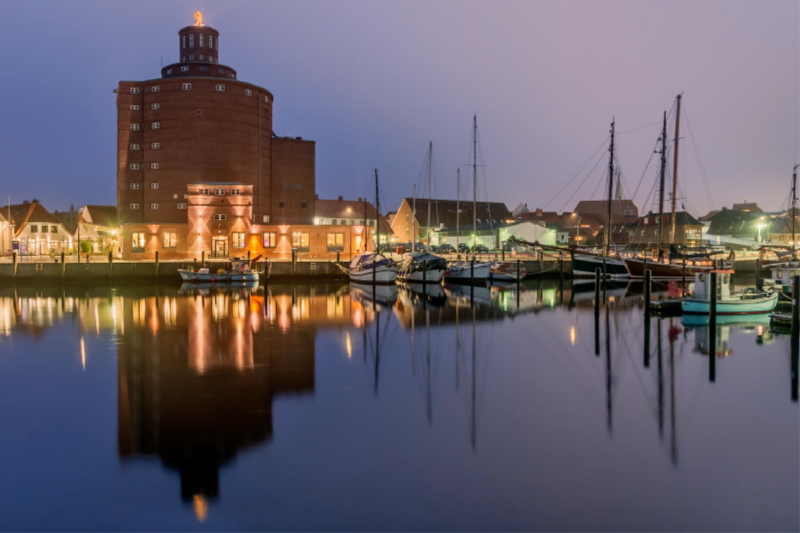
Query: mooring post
{"points": [[796, 309], [337, 258], [758, 272], [424, 273], [156, 263], [597, 311], [14, 260], [683, 273], [63, 265], [647, 296], [203, 259], [712, 332]]}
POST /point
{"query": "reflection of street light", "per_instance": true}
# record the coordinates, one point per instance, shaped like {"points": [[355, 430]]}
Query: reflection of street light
{"points": [[759, 230]]}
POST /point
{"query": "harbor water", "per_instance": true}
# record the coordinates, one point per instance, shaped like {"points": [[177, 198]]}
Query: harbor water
{"points": [[330, 407]]}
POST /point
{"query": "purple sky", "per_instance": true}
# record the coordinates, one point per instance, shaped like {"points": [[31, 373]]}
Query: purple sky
{"points": [[373, 82]]}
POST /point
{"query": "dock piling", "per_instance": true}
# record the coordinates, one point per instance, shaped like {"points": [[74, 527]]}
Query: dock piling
{"points": [[14, 260], [647, 296], [424, 274], [597, 291], [796, 309], [156, 265], [712, 332], [203, 259]]}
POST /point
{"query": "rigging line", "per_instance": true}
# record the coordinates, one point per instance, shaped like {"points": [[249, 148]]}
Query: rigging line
{"points": [[699, 162], [576, 173], [639, 128], [652, 153], [575, 191]]}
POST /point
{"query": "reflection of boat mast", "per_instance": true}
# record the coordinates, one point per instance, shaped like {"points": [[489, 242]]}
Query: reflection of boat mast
{"points": [[458, 343], [673, 436], [660, 387], [428, 363], [608, 371], [473, 428], [377, 340]]}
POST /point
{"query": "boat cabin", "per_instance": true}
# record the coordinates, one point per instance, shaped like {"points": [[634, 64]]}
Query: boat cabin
{"points": [[702, 285]]}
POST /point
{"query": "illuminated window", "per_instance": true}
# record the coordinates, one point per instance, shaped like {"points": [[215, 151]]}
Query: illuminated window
{"points": [[154, 206], [181, 206], [186, 86], [335, 242], [155, 146], [154, 185], [134, 207], [238, 239], [45, 229], [219, 216], [134, 186], [153, 166], [134, 166], [270, 240], [248, 92], [155, 106], [134, 147], [169, 240], [156, 125], [155, 89], [134, 127], [134, 90], [300, 241], [219, 192], [134, 107], [137, 242], [265, 219], [220, 88], [53, 229]]}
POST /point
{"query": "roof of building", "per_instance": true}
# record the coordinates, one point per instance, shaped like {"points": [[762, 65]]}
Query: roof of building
{"points": [[339, 209], [69, 219], [101, 215], [444, 212], [29, 213], [682, 218], [600, 207], [557, 226], [734, 223], [751, 207]]}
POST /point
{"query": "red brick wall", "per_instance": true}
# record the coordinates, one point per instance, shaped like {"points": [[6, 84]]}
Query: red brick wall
{"points": [[293, 163]]}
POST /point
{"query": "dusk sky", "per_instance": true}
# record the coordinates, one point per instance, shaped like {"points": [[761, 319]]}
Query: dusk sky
{"points": [[373, 82]]}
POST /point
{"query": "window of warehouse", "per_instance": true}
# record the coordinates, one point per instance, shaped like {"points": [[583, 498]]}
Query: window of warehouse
{"points": [[137, 242], [270, 240], [238, 239], [300, 241], [186, 86], [169, 240], [335, 242]]}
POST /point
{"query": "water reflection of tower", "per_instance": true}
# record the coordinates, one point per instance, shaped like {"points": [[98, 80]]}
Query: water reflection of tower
{"points": [[197, 377]]}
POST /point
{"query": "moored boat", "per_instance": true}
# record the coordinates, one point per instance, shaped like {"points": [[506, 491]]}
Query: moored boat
{"points": [[369, 266], [783, 274], [584, 265], [666, 270], [462, 271], [422, 266], [506, 272], [747, 302], [240, 271]]}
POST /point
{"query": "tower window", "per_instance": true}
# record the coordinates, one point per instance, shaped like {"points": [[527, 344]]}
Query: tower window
{"points": [[134, 90], [155, 146], [186, 86], [266, 99], [203, 69], [155, 88], [210, 59], [248, 92], [155, 106], [185, 68], [211, 41], [134, 186], [222, 71], [134, 207], [134, 107], [181, 206], [154, 166], [169, 71], [183, 59], [220, 88], [156, 125], [191, 57], [134, 147], [201, 42], [134, 127], [153, 206], [217, 46], [201, 57], [134, 166], [154, 185], [183, 41], [191, 40]]}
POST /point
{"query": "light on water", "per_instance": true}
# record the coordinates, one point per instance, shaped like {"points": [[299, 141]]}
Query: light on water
{"points": [[304, 407]]}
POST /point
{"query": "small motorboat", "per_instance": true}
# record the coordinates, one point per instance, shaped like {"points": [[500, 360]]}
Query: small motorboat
{"points": [[506, 272], [461, 271], [747, 302], [240, 271], [419, 266], [363, 265], [783, 274]]}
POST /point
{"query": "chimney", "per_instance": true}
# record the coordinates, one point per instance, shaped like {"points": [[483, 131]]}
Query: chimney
{"points": [[340, 198]]}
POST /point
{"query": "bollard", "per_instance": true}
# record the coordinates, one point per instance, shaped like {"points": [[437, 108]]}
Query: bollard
{"points": [[203, 259], [758, 272], [712, 324], [796, 309], [156, 262]]}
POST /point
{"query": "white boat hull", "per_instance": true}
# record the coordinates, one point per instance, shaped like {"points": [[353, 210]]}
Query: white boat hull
{"points": [[464, 272], [383, 275], [432, 276]]}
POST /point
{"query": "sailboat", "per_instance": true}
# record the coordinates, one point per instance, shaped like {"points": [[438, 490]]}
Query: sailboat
{"points": [[470, 270], [783, 273], [422, 266], [372, 267], [665, 269], [585, 264]]}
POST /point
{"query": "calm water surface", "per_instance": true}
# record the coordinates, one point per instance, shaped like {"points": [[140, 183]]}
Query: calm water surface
{"points": [[319, 407]]}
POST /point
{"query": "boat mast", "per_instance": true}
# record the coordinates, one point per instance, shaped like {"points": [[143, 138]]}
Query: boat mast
{"points": [[366, 231], [610, 190], [661, 193], [794, 206], [413, 217], [474, 180], [430, 159], [675, 172], [377, 214], [458, 205]]}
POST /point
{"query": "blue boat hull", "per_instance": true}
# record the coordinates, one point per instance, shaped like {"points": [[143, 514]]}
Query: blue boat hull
{"points": [[732, 307]]}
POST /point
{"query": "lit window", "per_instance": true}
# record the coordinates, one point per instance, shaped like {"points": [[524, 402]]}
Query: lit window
{"points": [[153, 166], [236, 192], [203, 191], [155, 106], [220, 88], [155, 125], [134, 207], [134, 147], [153, 206], [155, 89], [137, 240], [34, 228], [53, 229], [265, 219], [135, 107], [219, 192], [135, 186], [185, 68], [201, 41], [191, 40], [298, 186], [181, 206], [154, 185], [270, 240], [248, 92], [238, 240], [169, 239], [155, 146], [186, 86], [219, 216], [300, 240], [335, 242], [134, 127], [134, 166], [134, 90]]}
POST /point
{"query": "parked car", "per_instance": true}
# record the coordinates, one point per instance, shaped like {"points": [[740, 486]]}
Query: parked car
{"points": [[463, 248], [419, 247], [480, 249], [446, 249]]}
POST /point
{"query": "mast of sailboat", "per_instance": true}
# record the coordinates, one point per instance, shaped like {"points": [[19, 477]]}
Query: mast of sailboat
{"points": [[458, 205], [610, 190], [675, 172], [794, 206], [430, 160], [366, 231], [474, 180], [413, 217], [661, 189], [377, 215]]}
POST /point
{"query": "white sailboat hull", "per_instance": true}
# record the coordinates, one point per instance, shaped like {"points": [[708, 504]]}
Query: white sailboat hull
{"points": [[383, 275], [463, 272]]}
